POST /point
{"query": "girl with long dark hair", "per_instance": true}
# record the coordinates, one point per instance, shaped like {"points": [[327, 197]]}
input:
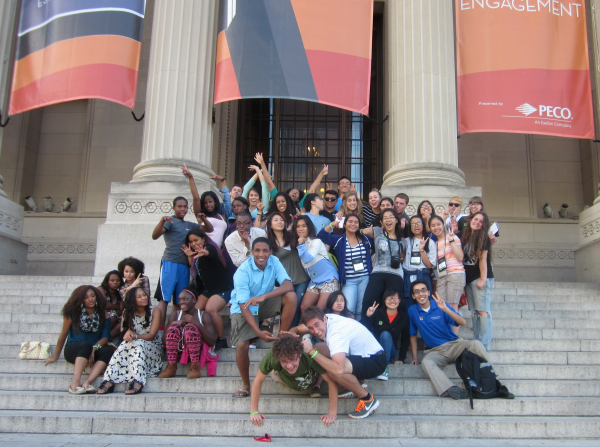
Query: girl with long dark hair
{"points": [[281, 204], [420, 257], [114, 302], [86, 331], [353, 252], [337, 304], [216, 282], [139, 355], [387, 269], [315, 260], [477, 249], [281, 241]]}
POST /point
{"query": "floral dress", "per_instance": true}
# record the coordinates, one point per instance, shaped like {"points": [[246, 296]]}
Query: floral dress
{"points": [[136, 360]]}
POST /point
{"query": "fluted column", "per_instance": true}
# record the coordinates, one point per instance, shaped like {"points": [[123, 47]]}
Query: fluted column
{"points": [[179, 98], [421, 148]]}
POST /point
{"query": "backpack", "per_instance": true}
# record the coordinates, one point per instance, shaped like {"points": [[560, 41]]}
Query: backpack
{"points": [[479, 378]]}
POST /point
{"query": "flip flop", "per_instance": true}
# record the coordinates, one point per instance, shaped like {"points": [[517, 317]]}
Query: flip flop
{"points": [[241, 390], [265, 438]]}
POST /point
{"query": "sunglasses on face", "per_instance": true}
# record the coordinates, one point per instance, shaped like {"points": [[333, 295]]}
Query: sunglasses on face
{"points": [[453, 204], [329, 199]]}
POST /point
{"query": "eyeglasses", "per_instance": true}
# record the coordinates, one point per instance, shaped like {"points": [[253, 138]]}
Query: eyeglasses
{"points": [[418, 224], [454, 204], [392, 298], [344, 183], [420, 291], [330, 199], [426, 206], [474, 203]]}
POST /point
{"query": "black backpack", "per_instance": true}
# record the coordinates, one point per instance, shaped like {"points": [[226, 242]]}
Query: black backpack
{"points": [[479, 378]]}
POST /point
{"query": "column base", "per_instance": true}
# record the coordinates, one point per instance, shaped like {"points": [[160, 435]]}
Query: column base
{"points": [[133, 211], [438, 195], [168, 170], [424, 173], [587, 257], [13, 252]]}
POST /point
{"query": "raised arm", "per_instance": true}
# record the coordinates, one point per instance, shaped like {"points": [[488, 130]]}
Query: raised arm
{"points": [[226, 207], [160, 229], [260, 160], [248, 186], [193, 189]]}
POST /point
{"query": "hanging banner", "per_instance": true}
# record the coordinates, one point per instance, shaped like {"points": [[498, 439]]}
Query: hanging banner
{"points": [[75, 49], [313, 50], [523, 67]]}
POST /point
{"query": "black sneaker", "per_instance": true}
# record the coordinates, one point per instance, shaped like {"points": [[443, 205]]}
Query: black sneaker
{"points": [[220, 343], [456, 392], [365, 408]]}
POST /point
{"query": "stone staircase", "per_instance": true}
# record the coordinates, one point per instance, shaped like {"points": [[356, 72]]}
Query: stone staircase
{"points": [[546, 349]]}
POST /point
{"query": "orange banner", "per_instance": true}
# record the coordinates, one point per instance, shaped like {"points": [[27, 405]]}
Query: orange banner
{"points": [[523, 67]]}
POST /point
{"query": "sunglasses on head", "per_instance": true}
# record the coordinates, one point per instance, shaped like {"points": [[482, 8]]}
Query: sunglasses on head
{"points": [[454, 204]]}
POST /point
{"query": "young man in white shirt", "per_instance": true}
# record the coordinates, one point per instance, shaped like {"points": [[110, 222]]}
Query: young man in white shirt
{"points": [[350, 354], [239, 243]]}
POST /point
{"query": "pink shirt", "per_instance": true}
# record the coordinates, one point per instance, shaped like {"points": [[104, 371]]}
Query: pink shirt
{"points": [[444, 248], [219, 228]]}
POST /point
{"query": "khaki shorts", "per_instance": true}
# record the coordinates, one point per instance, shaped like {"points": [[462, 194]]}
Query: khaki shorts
{"points": [[451, 287], [241, 330], [328, 287]]}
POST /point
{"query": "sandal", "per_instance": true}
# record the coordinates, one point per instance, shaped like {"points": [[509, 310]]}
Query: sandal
{"points": [[245, 393], [77, 390], [135, 390], [90, 389], [103, 389], [265, 438]]}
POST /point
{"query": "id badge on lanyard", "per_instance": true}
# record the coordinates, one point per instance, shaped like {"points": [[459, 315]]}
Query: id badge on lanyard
{"points": [[358, 265], [415, 255], [441, 267]]}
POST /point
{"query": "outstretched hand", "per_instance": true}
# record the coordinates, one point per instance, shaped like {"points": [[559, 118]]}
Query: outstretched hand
{"points": [[259, 158], [422, 244], [185, 171], [325, 170]]}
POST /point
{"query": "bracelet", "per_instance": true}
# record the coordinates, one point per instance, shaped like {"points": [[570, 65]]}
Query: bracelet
{"points": [[331, 225], [451, 240], [360, 231], [313, 356], [135, 336], [258, 214], [254, 412], [96, 346]]}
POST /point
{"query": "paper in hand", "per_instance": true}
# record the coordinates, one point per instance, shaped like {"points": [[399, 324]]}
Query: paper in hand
{"points": [[494, 229]]}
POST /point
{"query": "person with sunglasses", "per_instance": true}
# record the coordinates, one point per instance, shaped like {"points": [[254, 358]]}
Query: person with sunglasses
{"points": [[329, 200], [455, 208]]}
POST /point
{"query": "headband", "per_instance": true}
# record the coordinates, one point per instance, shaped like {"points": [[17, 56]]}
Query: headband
{"points": [[188, 290]]}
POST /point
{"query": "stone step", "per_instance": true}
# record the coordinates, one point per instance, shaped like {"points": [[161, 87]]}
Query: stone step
{"points": [[14, 279], [229, 369], [299, 426], [296, 404], [225, 385], [595, 305], [498, 357], [577, 298]]}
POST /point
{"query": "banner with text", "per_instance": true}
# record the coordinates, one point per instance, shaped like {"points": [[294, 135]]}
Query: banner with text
{"points": [[313, 50], [75, 49], [523, 67]]}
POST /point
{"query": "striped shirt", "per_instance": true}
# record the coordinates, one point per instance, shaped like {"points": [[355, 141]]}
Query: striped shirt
{"points": [[369, 215], [444, 248], [358, 252]]}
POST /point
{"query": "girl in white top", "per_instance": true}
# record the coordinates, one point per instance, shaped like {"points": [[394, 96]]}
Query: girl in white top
{"points": [[420, 256]]}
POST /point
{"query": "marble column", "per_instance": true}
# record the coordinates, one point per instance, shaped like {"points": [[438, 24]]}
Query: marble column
{"points": [[178, 129], [179, 103], [421, 151], [13, 252]]}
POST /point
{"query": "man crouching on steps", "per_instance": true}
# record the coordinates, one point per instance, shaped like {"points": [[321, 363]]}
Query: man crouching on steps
{"points": [[350, 354], [434, 320], [255, 298], [289, 364]]}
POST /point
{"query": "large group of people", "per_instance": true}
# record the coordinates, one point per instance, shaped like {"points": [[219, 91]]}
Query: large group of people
{"points": [[350, 284]]}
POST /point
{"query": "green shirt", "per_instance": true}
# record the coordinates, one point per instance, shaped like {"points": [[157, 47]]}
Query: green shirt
{"points": [[306, 374]]}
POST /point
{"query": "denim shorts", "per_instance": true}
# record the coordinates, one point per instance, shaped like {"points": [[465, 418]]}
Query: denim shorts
{"points": [[480, 299]]}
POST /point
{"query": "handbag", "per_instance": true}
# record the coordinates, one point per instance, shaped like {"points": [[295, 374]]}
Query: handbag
{"points": [[34, 350]]}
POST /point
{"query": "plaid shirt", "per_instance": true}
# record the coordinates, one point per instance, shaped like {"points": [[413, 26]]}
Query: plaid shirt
{"points": [[144, 284]]}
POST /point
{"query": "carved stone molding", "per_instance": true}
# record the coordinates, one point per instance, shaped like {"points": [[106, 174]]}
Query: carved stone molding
{"points": [[533, 255], [151, 206], [62, 249], [10, 222], [590, 229]]}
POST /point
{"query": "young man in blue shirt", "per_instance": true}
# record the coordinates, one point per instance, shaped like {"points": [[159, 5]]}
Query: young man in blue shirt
{"points": [[433, 319], [254, 298]]}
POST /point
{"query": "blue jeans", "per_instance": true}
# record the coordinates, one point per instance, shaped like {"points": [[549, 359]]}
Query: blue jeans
{"points": [[387, 343], [299, 290], [481, 300], [354, 292]]}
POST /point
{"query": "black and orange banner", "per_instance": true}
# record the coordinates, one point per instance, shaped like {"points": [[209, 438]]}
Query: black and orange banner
{"points": [[75, 49], [314, 50], [523, 67]]}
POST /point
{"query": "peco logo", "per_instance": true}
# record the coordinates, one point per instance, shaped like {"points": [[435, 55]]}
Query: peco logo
{"points": [[546, 111]]}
